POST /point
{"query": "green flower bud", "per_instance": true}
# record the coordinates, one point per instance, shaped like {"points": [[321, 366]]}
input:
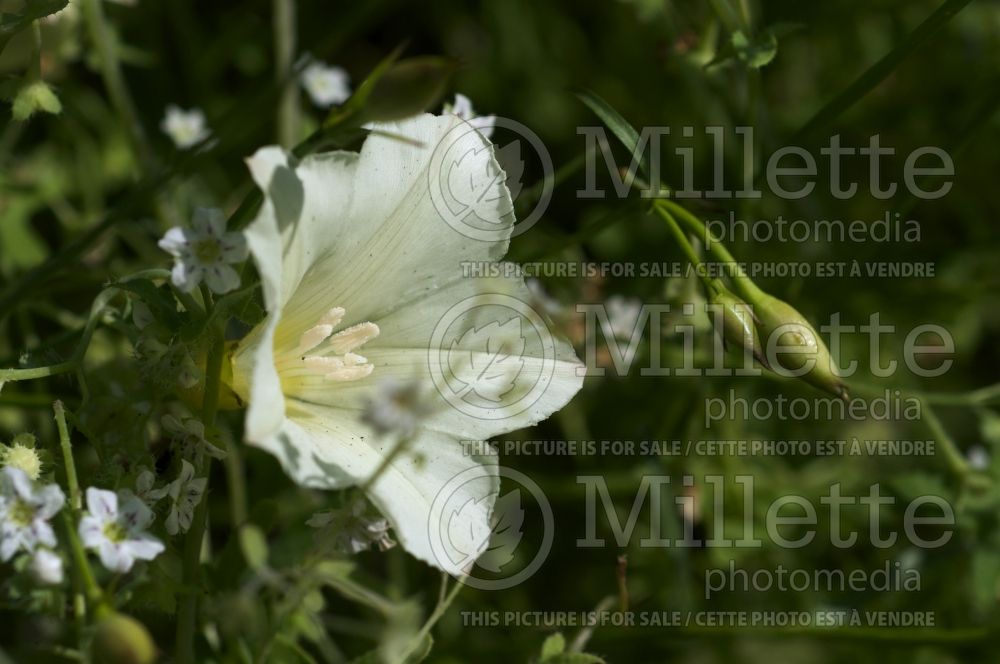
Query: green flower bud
{"points": [[797, 344], [121, 639], [735, 321], [35, 97], [409, 87]]}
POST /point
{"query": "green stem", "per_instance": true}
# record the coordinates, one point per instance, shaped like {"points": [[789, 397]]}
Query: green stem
{"points": [[106, 44], [91, 590], [284, 54], [444, 601], [67, 453], [747, 289], [710, 284], [188, 606]]}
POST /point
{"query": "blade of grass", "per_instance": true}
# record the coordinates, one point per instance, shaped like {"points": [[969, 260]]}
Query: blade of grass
{"points": [[880, 70]]}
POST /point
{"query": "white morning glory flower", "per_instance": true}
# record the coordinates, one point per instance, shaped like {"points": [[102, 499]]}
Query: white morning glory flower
{"points": [[205, 251], [185, 128], [25, 511], [185, 493], [47, 567], [358, 268], [114, 526], [326, 85], [463, 109]]}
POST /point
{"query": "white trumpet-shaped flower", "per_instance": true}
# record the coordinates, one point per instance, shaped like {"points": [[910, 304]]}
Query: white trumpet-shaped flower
{"points": [[358, 268]]}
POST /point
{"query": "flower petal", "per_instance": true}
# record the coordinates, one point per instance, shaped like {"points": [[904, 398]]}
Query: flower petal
{"points": [[102, 504], [407, 489]]}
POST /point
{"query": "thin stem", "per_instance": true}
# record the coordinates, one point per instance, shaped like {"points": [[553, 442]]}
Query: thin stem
{"points": [[685, 245], [284, 54], [444, 601], [188, 607], [747, 289], [67, 453]]}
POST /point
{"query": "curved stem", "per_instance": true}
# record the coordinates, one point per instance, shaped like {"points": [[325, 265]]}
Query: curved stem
{"points": [[747, 289], [685, 245]]}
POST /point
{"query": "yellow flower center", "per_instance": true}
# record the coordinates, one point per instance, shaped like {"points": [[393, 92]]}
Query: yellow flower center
{"points": [[206, 250], [21, 513], [114, 532]]}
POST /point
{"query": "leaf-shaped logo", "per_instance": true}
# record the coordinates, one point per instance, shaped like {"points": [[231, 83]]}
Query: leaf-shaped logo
{"points": [[510, 160], [476, 190], [465, 535], [508, 529], [487, 360]]}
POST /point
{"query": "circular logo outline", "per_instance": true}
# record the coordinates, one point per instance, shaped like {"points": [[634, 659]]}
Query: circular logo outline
{"points": [[457, 221], [437, 511], [462, 308]]}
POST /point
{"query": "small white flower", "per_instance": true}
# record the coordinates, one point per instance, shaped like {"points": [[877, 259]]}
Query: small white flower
{"points": [[978, 457], [205, 251], [144, 490], [114, 526], [47, 567], [186, 493], [463, 109], [623, 315], [25, 512], [185, 128], [326, 85], [397, 407]]}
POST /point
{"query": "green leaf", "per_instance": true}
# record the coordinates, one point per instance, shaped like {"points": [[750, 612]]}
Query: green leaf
{"points": [[575, 658], [554, 645], [13, 23], [622, 130], [253, 544], [985, 573], [160, 301], [879, 71], [755, 52]]}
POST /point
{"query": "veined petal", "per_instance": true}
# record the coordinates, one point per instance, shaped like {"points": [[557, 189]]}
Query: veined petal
{"points": [[334, 443], [402, 352], [102, 504]]}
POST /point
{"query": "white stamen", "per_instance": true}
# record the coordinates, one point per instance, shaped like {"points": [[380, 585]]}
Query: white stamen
{"points": [[353, 337], [313, 337], [336, 361], [333, 317]]}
